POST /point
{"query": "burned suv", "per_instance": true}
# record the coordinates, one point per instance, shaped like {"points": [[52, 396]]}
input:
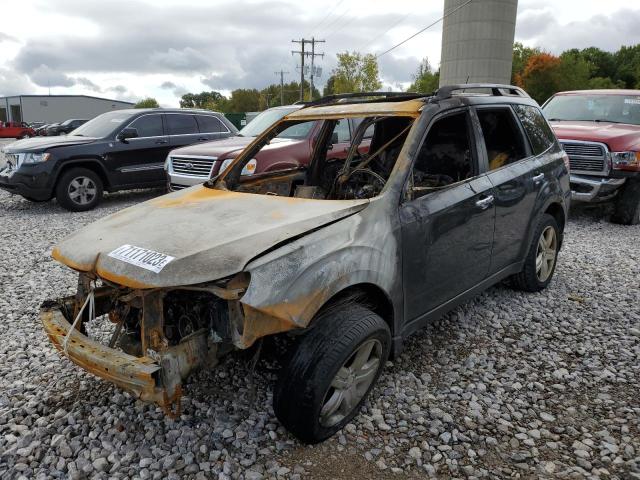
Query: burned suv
{"points": [[345, 257]]}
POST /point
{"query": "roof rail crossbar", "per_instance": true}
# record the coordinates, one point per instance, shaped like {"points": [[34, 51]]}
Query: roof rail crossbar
{"points": [[355, 95], [497, 90]]}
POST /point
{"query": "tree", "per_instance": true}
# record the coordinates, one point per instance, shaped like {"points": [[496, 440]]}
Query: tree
{"points": [[540, 76], [627, 61], [205, 100], [574, 71], [329, 88], [521, 56], [356, 73], [244, 100], [425, 80], [147, 103]]}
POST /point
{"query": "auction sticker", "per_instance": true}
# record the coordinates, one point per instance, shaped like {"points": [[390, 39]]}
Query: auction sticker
{"points": [[141, 257]]}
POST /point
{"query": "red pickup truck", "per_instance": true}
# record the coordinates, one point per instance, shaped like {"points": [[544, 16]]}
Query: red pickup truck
{"points": [[16, 130], [600, 132]]}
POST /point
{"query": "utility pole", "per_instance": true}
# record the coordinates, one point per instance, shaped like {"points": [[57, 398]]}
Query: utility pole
{"points": [[282, 74], [304, 54], [313, 56], [302, 42]]}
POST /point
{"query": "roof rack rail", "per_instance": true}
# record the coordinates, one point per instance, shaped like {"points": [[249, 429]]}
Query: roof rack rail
{"points": [[497, 90], [348, 96]]}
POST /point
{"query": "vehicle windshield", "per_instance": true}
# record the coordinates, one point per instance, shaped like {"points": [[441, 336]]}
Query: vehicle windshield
{"points": [[594, 108], [102, 125], [264, 120], [353, 160]]}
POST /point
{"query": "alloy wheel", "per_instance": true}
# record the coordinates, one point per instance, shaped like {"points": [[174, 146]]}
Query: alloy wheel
{"points": [[546, 253], [351, 383], [82, 190]]}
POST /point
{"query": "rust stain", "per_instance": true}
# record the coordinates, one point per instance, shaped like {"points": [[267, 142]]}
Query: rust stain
{"points": [[81, 267], [121, 279], [198, 195], [408, 108]]}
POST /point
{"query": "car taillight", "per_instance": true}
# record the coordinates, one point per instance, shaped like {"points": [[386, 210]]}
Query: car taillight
{"points": [[565, 159], [625, 161]]}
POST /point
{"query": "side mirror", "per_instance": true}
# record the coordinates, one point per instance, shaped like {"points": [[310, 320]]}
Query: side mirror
{"points": [[127, 133]]}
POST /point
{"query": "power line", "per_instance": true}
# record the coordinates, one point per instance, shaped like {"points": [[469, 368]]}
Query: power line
{"points": [[425, 28], [327, 15], [402, 19], [339, 17]]}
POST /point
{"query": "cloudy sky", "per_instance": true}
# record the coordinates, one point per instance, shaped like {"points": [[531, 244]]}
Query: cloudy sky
{"points": [[129, 49]]}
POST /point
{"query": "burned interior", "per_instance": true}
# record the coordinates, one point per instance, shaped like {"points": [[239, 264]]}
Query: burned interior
{"points": [[362, 174]]}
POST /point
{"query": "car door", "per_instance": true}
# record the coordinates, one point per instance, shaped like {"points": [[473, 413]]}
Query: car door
{"points": [[140, 160], [183, 129], [448, 218], [211, 128], [516, 177]]}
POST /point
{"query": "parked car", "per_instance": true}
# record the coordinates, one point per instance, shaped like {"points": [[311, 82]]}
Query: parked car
{"points": [[117, 150], [42, 131], [15, 130], [64, 127], [195, 164], [600, 131], [347, 257]]}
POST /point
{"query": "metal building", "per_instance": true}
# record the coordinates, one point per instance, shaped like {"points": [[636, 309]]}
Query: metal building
{"points": [[55, 108], [477, 41]]}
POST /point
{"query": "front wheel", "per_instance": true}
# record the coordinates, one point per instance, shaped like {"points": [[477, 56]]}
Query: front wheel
{"points": [[628, 204], [331, 372], [79, 189], [540, 263]]}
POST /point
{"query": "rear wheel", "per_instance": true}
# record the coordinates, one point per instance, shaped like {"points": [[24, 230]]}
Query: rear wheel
{"points": [[540, 263], [628, 204], [331, 372], [79, 189]]}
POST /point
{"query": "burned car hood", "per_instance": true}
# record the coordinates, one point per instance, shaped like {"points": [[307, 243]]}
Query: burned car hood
{"points": [[192, 236], [40, 144]]}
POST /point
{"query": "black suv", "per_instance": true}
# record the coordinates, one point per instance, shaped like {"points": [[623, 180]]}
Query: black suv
{"points": [[117, 150], [65, 127], [348, 255]]}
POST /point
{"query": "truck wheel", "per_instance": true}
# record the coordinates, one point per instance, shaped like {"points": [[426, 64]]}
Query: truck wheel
{"points": [[540, 263], [79, 189], [331, 371], [628, 205]]}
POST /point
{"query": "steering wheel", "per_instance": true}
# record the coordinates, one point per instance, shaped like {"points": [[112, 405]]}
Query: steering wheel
{"points": [[359, 183]]}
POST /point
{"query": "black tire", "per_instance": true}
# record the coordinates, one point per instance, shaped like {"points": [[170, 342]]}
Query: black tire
{"points": [[628, 204], [528, 279], [82, 176], [305, 381]]}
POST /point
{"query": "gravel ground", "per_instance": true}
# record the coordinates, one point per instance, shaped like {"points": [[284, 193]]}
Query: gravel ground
{"points": [[509, 385]]}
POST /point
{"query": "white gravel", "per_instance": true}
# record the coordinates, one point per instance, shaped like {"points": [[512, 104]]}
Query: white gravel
{"points": [[509, 385]]}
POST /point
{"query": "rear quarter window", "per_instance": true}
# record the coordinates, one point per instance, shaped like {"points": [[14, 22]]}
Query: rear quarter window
{"points": [[539, 132]]}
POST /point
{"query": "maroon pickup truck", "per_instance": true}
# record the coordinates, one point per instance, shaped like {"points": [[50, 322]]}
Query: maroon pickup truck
{"points": [[600, 132], [197, 163]]}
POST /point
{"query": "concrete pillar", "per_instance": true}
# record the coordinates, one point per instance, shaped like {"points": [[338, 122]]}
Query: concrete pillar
{"points": [[477, 41]]}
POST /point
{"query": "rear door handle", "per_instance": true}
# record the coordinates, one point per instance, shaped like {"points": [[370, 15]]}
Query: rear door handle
{"points": [[160, 142], [538, 178], [485, 203]]}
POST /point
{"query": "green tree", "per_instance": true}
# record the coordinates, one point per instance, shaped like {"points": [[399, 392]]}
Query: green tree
{"points": [[627, 61], [604, 82], [329, 88], [244, 100], [205, 100], [147, 103], [425, 79], [573, 72], [602, 63], [356, 73]]}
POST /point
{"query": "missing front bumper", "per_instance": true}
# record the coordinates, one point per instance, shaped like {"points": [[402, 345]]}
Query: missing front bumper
{"points": [[157, 380]]}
